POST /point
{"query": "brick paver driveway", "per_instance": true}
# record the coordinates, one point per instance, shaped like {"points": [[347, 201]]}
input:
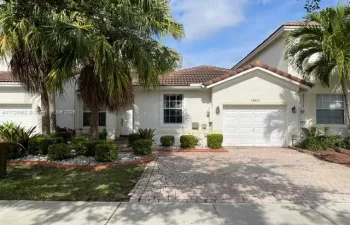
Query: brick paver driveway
{"points": [[257, 175]]}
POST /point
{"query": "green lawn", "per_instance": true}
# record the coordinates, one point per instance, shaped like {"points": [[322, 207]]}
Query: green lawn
{"points": [[44, 183]]}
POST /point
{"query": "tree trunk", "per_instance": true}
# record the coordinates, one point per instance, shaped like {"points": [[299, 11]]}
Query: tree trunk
{"points": [[344, 88], [52, 104], [94, 123], [45, 112]]}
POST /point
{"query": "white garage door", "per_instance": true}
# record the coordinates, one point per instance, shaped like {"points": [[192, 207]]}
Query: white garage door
{"points": [[18, 113], [254, 126]]}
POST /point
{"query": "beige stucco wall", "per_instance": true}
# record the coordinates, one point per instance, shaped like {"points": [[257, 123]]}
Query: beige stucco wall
{"points": [[309, 116], [257, 86], [148, 107]]}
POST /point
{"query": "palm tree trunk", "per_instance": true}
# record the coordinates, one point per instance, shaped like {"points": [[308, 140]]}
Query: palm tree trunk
{"points": [[344, 88], [94, 123], [45, 112], [52, 104]]}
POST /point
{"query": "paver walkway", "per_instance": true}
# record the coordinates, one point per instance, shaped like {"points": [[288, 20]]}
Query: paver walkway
{"points": [[243, 175]]}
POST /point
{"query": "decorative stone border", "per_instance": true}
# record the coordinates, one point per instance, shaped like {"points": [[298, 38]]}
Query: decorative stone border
{"points": [[191, 150], [86, 167]]}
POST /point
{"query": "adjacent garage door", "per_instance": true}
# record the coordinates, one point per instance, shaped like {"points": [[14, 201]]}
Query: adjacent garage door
{"points": [[19, 113], [254, 126]]}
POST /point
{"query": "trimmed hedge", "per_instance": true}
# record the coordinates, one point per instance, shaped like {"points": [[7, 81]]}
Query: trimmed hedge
{"points": [[14, 150], [90, 147], [132, 138], [40, 145], [103, 135], [66, 136], [106, 152], [215, 140], [79, 139], [167, 140], [4, 148], [59, 151], [188, 141], [142, 147]]}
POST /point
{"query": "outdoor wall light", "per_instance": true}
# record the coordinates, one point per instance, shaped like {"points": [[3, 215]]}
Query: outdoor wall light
{"points": [[294, 109], [217, 110]]}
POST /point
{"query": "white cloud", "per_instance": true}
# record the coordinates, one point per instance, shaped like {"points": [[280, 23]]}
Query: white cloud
{"points": [[204, 18]]}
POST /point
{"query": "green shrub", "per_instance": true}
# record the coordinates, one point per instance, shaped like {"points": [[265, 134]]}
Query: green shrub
{"points": [[147, 134], [106, 152], [215, 140], [4, 148], [142, 147], [14, 150], [103, 135], [188, 141], [132, 138], [66, 136], [167, 140], [334, 141], [59, 151], [79, 139], [90, 147], [40, 145]]}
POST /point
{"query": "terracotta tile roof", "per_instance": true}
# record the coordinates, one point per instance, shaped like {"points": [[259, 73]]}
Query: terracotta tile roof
{"points": [[301, 23], [253, 65], [192, 75], [6, 76]]}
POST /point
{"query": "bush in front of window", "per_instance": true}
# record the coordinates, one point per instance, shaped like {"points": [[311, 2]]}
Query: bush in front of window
{"points": [[106, 152], [40, 145], [167, 140], [79, 139], [188, 141], [316, 139], [132, 138], [66, 136], [59, 151], [142, 147], [147, 134], [103, 135], [215, 140]]}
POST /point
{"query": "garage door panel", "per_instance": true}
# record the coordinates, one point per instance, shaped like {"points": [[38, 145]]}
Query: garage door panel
{"points": [[254, 126], [18, 113]]}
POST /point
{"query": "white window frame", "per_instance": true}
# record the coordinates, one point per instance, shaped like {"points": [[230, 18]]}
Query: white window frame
{"points": [[321, 108], [88, 111], [161, 109]]}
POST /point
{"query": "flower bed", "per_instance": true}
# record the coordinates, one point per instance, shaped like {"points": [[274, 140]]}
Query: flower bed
{"points": [[83, 162], [340, 156]]}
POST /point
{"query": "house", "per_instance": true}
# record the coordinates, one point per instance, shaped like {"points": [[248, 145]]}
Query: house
{"points": [[261, 101]]}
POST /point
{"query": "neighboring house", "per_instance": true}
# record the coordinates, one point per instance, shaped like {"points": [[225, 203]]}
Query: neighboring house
{"points": [[261, 101]]}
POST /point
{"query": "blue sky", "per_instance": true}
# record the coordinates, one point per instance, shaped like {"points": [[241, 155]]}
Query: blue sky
{"points": [[221, 32]]}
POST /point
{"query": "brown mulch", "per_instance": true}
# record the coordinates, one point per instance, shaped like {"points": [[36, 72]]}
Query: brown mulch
{"points": [[342, 156]]}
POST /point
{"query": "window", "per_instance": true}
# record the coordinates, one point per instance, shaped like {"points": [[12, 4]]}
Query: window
{"points": [[329, 109], [173, 109], [87, 117]]}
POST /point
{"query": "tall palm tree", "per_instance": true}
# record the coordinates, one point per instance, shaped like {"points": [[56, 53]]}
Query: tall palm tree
{"points": [[27, 62], [323, 51], [109, 54]]}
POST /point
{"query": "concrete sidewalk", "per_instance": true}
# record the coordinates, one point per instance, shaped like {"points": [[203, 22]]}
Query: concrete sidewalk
{"points": [[98, 213]]}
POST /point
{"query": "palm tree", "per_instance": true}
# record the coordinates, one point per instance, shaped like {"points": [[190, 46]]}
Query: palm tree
{"points": [[323, 51], [27, 62], [110, 54]]}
